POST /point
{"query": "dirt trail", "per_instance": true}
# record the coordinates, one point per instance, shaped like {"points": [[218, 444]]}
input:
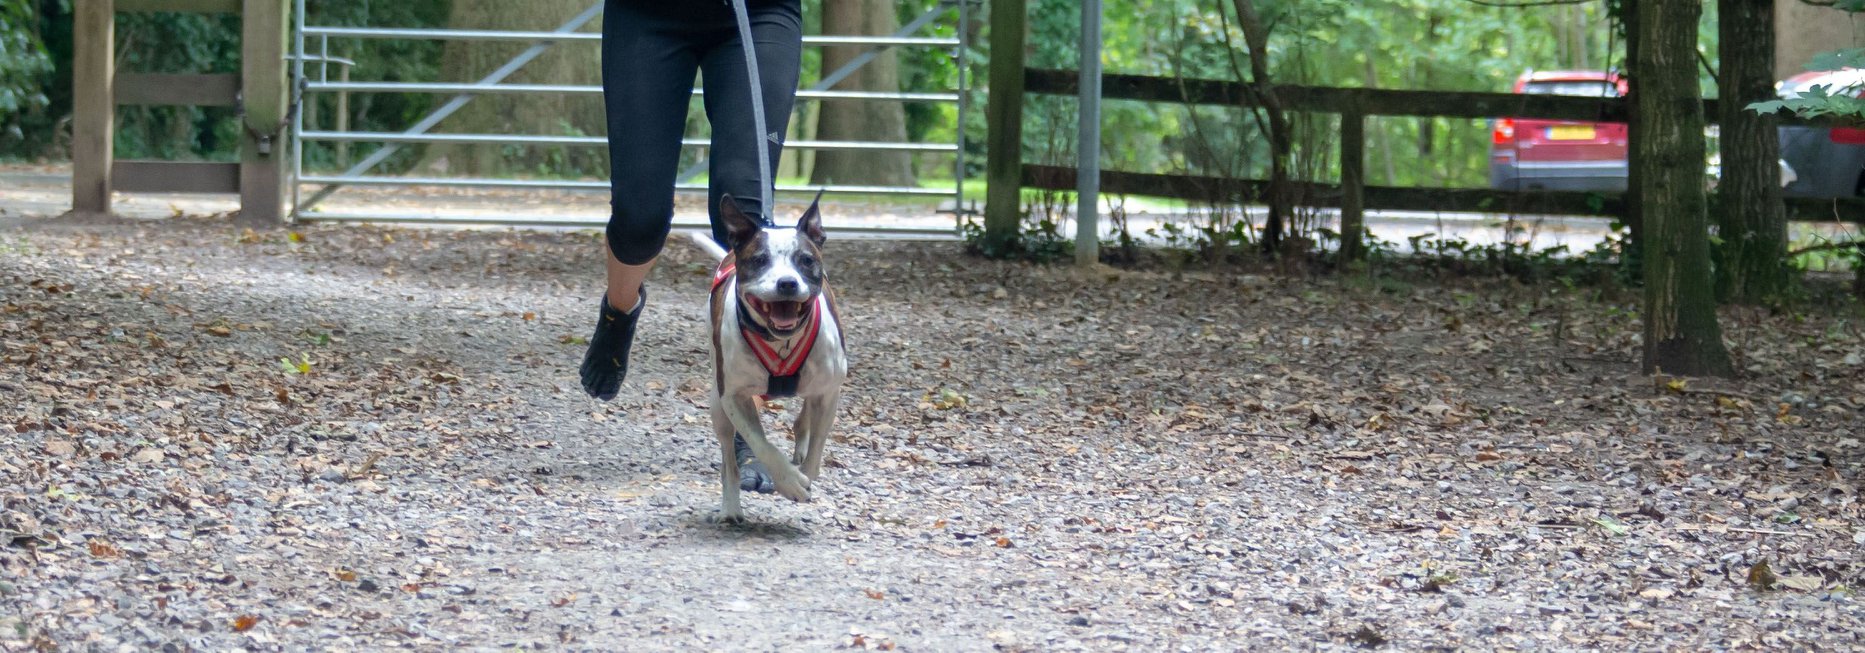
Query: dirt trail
{"points": [[359, 438]]}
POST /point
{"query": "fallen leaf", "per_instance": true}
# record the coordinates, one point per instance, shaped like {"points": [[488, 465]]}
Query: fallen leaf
{"points": [[102, 549], [219, 330], [1761, 578], [1003, 542], [1366, 637], [1611, 526], [244, 623], [875, 594], [148, 455], [1802, 583]]}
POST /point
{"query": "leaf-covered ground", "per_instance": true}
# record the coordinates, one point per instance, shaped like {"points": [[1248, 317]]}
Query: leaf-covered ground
{"points": [[360, 438]]}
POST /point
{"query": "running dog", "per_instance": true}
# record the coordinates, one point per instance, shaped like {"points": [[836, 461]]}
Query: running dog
{"points": [[775, 333]]}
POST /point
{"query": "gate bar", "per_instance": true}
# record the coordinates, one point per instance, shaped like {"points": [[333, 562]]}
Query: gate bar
{"points": [[447, 87], [572, 184], [497, 35], [597, 141], [594, 222], [458, 101]]}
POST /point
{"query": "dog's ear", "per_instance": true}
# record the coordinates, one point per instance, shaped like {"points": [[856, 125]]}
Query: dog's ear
{"points": [[811, 222], [739, 227]]}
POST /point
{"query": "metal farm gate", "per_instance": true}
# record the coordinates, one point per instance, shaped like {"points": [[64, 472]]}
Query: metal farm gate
{"points": [[313, 50]]}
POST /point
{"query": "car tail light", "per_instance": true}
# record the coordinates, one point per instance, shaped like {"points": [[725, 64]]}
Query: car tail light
{"points": [[1504, 132], [1848, 135]]}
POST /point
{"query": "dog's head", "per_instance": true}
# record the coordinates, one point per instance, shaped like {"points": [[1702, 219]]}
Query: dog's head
{"points": [[779, 270]]}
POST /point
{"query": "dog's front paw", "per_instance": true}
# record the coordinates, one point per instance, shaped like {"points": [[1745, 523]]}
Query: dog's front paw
{"points": [[794, 486], [728, 516]]}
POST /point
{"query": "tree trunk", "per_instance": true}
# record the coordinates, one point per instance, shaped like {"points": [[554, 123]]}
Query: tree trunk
{"points": [[1751, 220], [1256, 38], [545, 114], [862, 120], [1630, 251], [1681, 334]]}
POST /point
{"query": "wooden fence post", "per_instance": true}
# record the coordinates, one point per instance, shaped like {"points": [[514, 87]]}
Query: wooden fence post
{"points": [[1003, 204], [265, 98], [94, 104], [1352, 185]]}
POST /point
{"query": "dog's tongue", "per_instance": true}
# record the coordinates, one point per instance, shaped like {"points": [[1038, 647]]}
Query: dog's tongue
{"points": [[785, 315]]}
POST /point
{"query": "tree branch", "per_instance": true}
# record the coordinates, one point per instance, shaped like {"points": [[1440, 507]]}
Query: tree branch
{"points": [[1825, 247]]}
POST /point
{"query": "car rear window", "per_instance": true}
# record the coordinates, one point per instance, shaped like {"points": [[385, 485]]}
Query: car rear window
{"points": [[1583, 89]]}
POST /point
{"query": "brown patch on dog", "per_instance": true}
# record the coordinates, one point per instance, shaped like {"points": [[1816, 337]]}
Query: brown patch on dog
{"points": [[718, 314]]}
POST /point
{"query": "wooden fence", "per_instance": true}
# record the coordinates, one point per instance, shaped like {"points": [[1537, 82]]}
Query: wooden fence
{"points": [[1352, 195], [259, 91]]}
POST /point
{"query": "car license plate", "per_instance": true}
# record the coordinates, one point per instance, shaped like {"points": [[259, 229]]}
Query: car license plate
{"points": [[1570, 133]]}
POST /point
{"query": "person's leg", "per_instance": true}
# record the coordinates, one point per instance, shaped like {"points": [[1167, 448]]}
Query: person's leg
{"points": [[777, 32], [648, 65]]}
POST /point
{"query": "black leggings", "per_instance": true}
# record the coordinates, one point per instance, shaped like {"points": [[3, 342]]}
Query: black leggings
{"points": [[650, 52]]}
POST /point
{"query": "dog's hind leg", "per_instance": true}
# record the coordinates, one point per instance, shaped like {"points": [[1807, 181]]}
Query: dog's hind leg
{"points": [[802, 430], [790, 482], [818, 415], [729, 509]]}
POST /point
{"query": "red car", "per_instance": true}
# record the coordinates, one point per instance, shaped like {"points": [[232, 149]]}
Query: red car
{"points": [[1527, 154]]}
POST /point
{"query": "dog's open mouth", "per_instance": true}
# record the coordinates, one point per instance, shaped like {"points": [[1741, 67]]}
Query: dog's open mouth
{"points": [[782, 316]]}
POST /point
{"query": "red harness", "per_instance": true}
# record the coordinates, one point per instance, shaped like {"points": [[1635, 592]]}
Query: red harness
{"points": [[782, 368]]}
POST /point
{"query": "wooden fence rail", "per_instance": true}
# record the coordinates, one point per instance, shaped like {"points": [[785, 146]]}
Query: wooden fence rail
{"points": [[1352, 196]]}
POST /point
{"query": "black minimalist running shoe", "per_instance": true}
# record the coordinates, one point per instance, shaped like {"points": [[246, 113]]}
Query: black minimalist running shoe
{"points": [[752, 476], [606, 362]]}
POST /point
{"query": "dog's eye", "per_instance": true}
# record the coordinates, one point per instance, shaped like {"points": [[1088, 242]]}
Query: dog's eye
{"points": [[806, 260]]}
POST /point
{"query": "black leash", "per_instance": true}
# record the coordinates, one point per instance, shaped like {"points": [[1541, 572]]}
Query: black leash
{"points": [[757, 109]]}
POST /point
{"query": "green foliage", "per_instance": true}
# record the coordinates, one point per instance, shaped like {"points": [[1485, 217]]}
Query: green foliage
{"points": [[1409, 44], [196, 43], [1450, 254], [1039, 239], [1838, 59], [1821, 100], [1826, 99], [177, 43], [24, 66]]}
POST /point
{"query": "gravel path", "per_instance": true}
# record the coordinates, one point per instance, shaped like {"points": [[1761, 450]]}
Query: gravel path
{"points": [[357, 438]]}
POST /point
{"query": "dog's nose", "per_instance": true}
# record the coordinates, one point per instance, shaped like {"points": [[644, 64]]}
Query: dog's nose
{"points": [[787, 286]]}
